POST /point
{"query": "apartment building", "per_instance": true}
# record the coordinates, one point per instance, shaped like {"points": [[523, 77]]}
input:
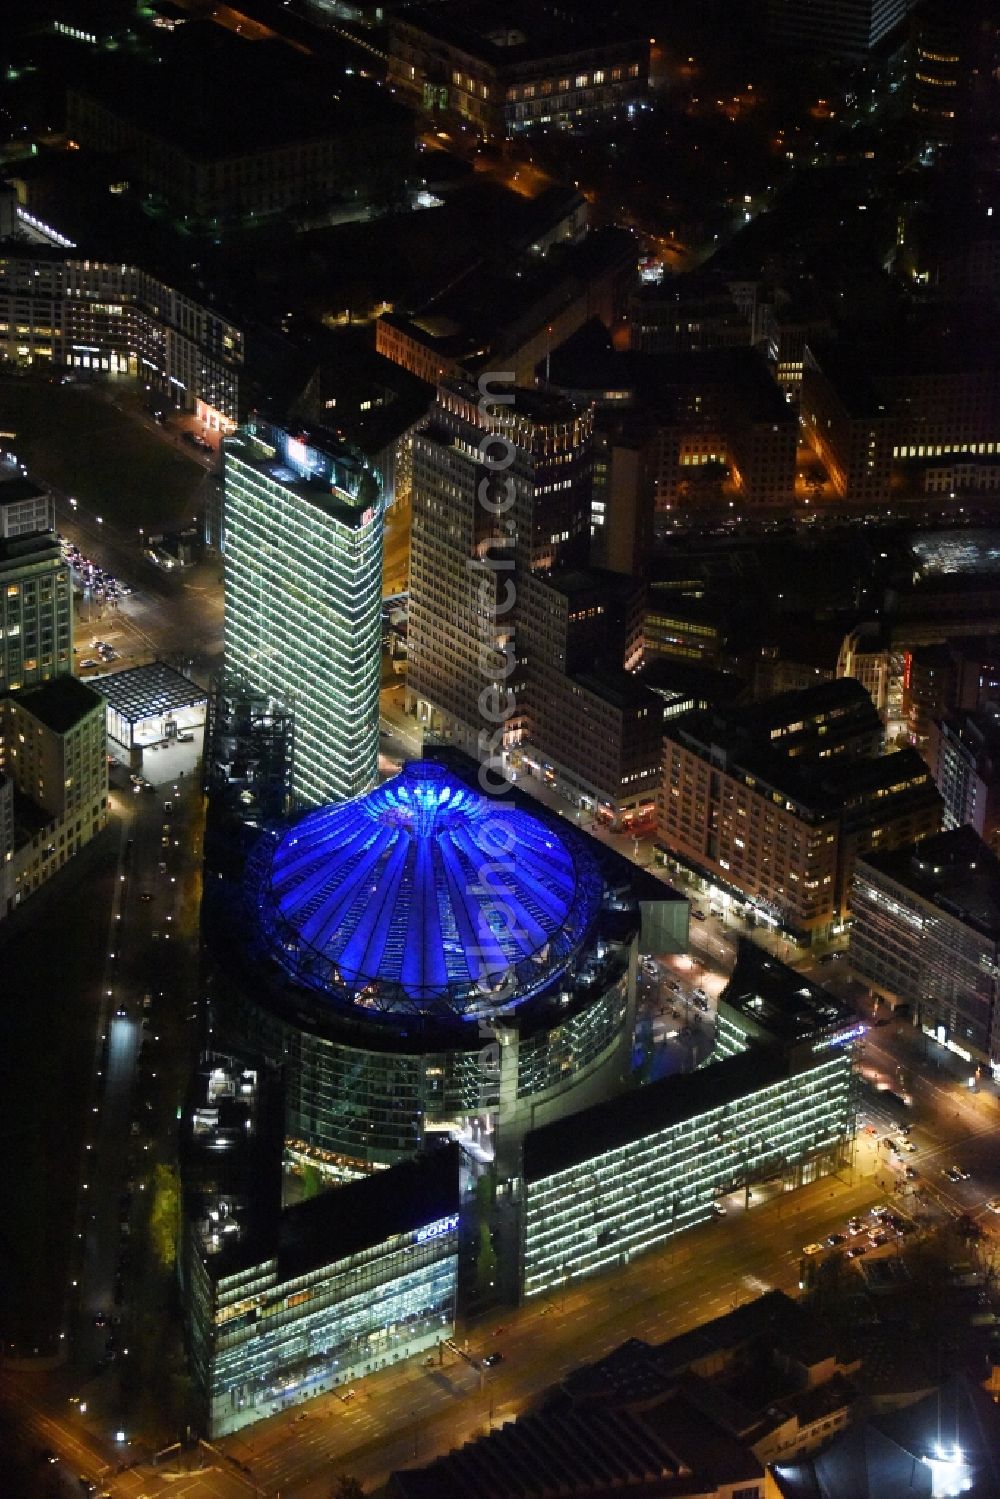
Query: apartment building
{"points": [[772, 803], [36, 598], [504, 70], [54, 757]]}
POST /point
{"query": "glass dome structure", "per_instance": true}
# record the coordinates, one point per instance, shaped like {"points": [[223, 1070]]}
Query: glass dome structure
{"points": [[423, 897]]}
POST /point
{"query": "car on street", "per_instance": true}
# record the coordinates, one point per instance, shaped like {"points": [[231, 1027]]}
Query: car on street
{"points": [[699, 915], [955, 1173], [491, 1359], [812, 1249], [835, 1240], [856, 1252], [993, 1206], [912, 1174]]}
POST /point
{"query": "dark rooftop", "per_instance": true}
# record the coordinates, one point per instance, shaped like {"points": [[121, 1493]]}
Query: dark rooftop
{"points": [[775, 1318], [674, 679], [60, 703], [634, 1116], [847, 372], [19, 488], [588, 361], [364, 1213], [954, 871], [213, 94], [515, 32], [887, 1458], [620, 689], [797, 762], [786, 1006]]}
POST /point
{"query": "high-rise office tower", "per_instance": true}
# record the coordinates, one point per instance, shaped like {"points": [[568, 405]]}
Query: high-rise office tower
{"points": [[303, 518], [36, 599], [501, 488]]}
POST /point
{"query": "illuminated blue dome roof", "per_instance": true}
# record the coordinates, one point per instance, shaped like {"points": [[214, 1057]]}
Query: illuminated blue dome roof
{"points": [[424, 896]]}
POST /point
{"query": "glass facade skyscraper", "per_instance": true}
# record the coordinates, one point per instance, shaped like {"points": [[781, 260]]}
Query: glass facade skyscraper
{"points": [[303, 534]]}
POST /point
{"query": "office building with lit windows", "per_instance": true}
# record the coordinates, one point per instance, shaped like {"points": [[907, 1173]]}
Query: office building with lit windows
{"points": [[771, 803], [926, 934], [303, 533], [963, 751], [774, 1105], [929, 393], [282, 1304], [59, 310], [466, 555], [505, 69], [517, 650]]}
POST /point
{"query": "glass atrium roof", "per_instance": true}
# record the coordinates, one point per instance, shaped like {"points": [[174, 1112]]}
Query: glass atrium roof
{"points": [[424, 896]]}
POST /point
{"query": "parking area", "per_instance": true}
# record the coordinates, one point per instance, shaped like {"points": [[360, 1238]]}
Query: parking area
{"points": [[675, 1017]]}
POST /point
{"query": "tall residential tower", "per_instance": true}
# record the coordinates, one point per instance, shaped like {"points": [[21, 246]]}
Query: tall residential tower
{"points": [[303, 518]]}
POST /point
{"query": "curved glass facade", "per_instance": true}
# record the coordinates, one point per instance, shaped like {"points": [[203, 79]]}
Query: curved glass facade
{"points": [[552, 1057], [423, 897], [373, 1104]]}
